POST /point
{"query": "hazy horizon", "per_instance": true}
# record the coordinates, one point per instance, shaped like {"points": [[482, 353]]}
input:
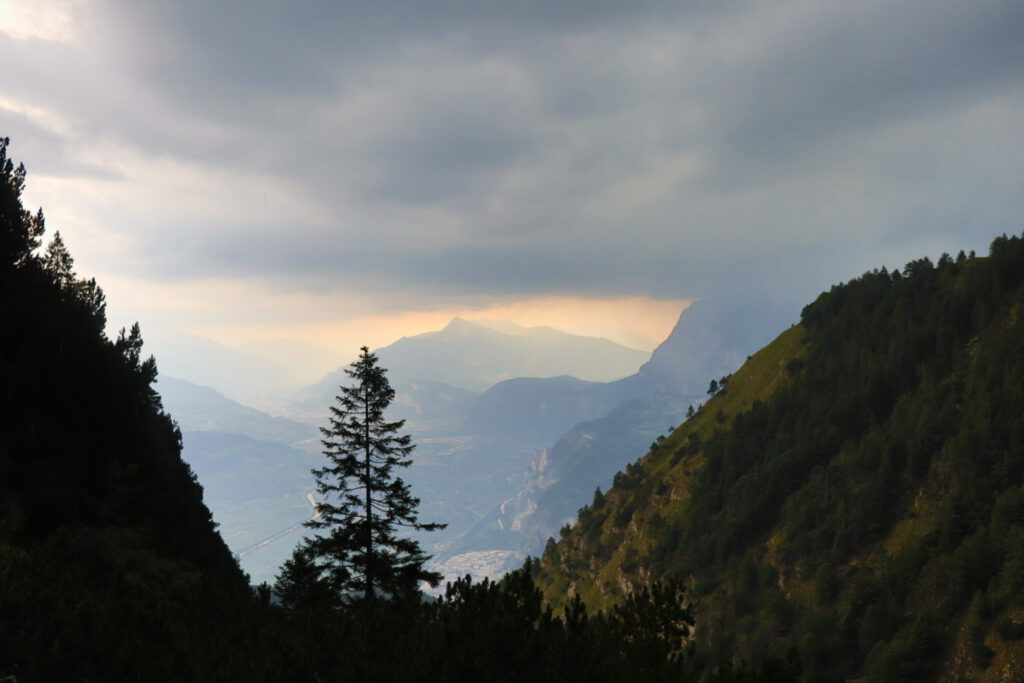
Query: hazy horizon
{"points": [[340, 174], [290, 364]]}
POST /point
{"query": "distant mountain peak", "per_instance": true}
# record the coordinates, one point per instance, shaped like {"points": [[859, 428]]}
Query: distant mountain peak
{"points": [[474, 356], [458, 324]]}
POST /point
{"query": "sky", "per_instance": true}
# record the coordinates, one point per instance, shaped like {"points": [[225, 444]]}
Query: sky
{"points": [[331, 174]]}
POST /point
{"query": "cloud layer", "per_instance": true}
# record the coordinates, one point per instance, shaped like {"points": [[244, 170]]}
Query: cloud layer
{"points": [[423, 153]]}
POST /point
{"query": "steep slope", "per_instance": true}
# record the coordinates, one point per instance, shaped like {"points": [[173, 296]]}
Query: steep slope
{"points": [[710, 339], [110, 565], [258, 491], [255, 470], [855, 491], [586, 458], [597, 542], [562, 478]]}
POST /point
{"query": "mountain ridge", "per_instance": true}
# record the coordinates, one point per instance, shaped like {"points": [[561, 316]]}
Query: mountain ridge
{"points": [[856, 490], [199, 408], [443, 356]]}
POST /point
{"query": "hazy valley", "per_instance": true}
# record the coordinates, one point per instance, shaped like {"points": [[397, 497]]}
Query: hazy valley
{"points": [[504, 467]]}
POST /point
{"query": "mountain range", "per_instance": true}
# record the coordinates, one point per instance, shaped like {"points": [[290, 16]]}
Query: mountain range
{"points": [[504, 468], [475, 357], [109, 559]]}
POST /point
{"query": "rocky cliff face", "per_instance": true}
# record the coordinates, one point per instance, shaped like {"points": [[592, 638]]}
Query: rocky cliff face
{"points": [[711, 339]]}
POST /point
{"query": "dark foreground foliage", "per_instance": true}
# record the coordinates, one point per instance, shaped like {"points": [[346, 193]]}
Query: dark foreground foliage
{"points": [[502, 631], [97, 605]]}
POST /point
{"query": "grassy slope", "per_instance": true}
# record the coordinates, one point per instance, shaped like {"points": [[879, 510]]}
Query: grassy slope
{"points": [[903, 590], [674, 465]]}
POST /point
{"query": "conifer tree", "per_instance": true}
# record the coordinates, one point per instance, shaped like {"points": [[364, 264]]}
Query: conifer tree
{"points": [[59, 264], [300, 584], [20, 231], [365, 503]]}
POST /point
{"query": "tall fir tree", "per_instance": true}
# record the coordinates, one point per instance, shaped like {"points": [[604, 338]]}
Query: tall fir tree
{"points": [[365, 504]]}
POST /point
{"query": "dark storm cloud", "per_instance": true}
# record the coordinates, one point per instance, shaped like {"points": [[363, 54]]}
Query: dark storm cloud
{"points": [[864, 65], [589, 148]]}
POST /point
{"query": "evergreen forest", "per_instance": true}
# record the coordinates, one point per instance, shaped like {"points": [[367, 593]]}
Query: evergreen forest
{"points": [[854, 491]]}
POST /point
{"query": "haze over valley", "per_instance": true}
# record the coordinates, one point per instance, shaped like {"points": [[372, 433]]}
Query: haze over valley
{"points": [[507, 429]]}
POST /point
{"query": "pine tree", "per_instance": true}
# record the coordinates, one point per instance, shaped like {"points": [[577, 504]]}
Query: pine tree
{"points": [[365, 504], [59, 264], [20, 231], [301, 586]]}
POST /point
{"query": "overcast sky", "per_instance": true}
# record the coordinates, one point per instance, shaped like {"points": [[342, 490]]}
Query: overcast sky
{"points": [[325, 170]]}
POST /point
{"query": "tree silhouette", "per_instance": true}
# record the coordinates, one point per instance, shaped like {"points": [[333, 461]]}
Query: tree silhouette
{"points": [[300, 584], [365, 504], [59, 264], [20, 231]]}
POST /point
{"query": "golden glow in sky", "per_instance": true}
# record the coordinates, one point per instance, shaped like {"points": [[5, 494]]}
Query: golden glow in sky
{"points": [[311, 334], [637, 322]]}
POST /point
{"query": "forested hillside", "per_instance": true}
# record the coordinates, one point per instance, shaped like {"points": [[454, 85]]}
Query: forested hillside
{"points": [[855, 490], [105, 544]]}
